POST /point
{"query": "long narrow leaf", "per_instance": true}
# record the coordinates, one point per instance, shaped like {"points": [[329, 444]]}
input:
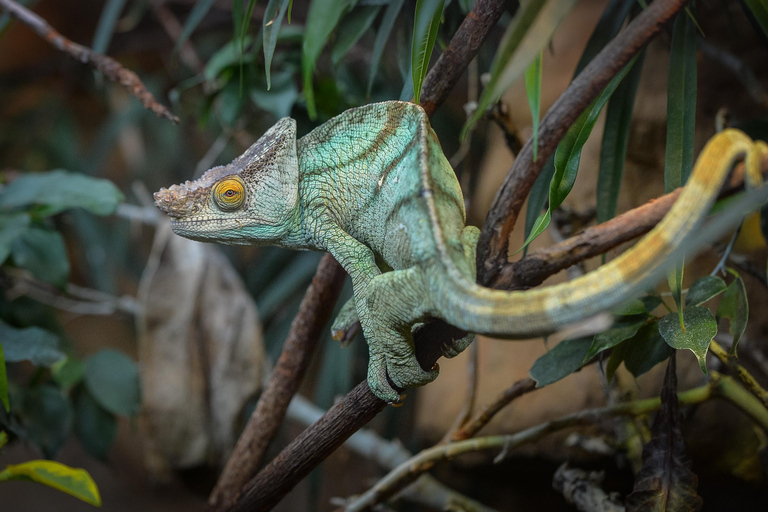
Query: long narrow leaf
{"points": [[385, 29], [322, 18], [681, 115], [607, 27], [273, 18], [425, 24], [613, 150], [568, 154], [533, 91], [106, 26], [527, 34], [538, 198], [352, 29], [196, 15]]}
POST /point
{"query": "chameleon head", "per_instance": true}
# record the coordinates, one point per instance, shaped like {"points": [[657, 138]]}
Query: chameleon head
{"points": [[248, 201]]}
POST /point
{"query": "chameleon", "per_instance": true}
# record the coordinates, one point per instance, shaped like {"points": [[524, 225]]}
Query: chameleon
{"points": [[373, 188]]}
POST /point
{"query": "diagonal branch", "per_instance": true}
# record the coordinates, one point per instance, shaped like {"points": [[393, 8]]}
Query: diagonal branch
{"points": [[492, 246], [107, 65]]}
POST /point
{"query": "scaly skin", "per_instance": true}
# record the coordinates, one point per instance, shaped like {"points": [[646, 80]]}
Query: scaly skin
{"points": [[372, 187]]}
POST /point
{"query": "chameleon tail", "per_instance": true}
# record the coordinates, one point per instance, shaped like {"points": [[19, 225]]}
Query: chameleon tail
{"points": [[523, 314]]}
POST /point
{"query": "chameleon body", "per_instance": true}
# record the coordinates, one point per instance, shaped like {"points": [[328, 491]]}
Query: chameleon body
{"points": [[372, 187]]}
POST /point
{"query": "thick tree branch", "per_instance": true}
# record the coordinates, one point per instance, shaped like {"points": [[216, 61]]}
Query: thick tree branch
{"points": [[492, 247], [107, 65], [314, 312]]}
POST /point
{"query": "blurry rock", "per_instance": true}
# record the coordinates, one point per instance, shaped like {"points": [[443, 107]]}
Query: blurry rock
{"points": [[200, 351]]}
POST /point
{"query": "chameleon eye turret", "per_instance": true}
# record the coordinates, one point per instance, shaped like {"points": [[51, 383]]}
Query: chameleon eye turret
{"points": [[229, 193]]}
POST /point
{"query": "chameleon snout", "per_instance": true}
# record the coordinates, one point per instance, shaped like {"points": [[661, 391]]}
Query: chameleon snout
{"points": [[179, 201]]}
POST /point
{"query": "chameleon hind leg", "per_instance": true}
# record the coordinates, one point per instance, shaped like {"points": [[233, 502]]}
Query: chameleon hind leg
{"points": [[469, 237], [396, 301]]}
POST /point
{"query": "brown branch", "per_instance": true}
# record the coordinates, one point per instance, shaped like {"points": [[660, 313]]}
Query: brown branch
{"points": [[107, 65], [314, 312], [492, 247], [465, 43]]}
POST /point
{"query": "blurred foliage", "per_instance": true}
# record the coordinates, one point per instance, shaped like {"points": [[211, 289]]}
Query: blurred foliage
{"points": [[75, 148]]}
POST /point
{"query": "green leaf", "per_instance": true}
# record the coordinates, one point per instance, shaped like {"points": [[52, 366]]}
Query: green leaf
{"points": [[759, 9], [3, 385], [382, 36], [642, 306], [425, 24], [352, 28], [3, 438], [706, 288], [607, 27], [227, 56], [527, 34], [273, 19], [614, 361], [59, 190], [568, 154], [561, 361], [665, 482], [700, 328], [42, 252], [322, 18], [11, 227], [95, 427], [74, 481], [68, 372], [613, 150], [196, 15], [47, 416], [621, 330], [538, 197], [533, 91], [735, 308], [106, 25], [33, 344], [113, 380], [280, 99], [645, 350]]}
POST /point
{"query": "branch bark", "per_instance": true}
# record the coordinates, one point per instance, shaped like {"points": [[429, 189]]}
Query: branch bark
{"points": [[492, 246], [314, 312], [107, 65]]}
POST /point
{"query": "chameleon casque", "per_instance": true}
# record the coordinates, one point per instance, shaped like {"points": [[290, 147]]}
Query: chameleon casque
{"points": [[372, 187]]}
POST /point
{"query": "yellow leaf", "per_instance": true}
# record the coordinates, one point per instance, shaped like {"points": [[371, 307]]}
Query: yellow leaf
{"points": [[74, 481]]}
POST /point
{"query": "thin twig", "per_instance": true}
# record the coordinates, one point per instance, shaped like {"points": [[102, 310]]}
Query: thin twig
{"points": [[314, 312], [469, 402], [494, 239], [107, 65], [721, 386], [741, 373]]}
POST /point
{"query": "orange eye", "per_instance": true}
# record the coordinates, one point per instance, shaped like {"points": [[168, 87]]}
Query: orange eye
{"points": [[229, 193]]}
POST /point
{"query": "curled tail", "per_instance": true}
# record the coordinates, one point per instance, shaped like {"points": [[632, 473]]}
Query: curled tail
{"points": [[521, 314]]}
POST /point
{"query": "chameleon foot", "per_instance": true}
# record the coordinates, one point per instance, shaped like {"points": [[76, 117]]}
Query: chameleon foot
{"points": [[346, 326]]}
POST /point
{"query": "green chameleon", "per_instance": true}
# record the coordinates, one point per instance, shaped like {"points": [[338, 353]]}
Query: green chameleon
{"points": [[372, 187]]}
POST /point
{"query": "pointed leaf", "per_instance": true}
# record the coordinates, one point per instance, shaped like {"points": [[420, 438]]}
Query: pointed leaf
{"points": [[68, 372], [382, 36], [735, 308], [33, 344], [352, 28], [533, 91], [425, 24], [613, 150], [704, 289], [273, 19], [759, 9], [621, 330], [59, 190], [538, 198], [196, 15], [74, 481], [527, 34], [3, 438], [642, 306], [47, 417], [42, 252], [645, 350], [113, 380], [561, 361], [665, 482], [95, 426], [700, 328], [322, 18], [568, 154]]}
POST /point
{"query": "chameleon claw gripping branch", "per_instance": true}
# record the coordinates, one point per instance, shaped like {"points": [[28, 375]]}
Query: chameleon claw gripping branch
{"points": [[372, 187]]}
